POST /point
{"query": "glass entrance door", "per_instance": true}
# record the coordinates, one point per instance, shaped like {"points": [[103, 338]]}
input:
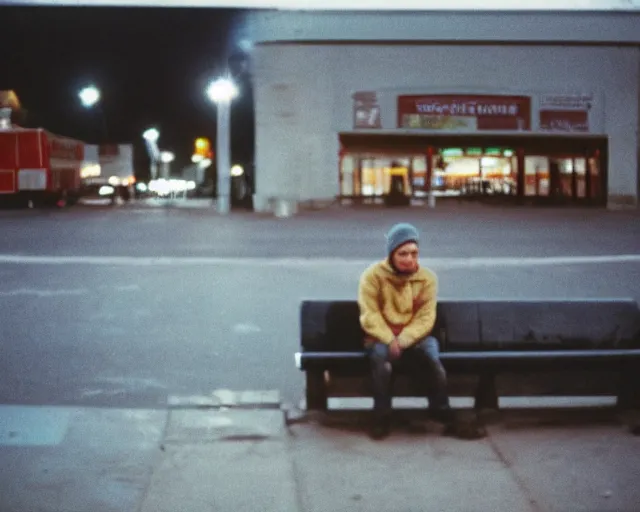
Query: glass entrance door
{"points": [[572, 177]]}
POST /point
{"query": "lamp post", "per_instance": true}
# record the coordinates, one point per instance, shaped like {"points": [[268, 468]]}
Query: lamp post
{"points": [[90, 97], [151, 137], [166, 157], [222, 91]]}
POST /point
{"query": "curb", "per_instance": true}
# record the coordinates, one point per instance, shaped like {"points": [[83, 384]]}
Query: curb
{"points": [[228, 399]]}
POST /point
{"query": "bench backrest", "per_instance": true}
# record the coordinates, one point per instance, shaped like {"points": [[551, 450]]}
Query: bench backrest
{"points": [[490, 325]]}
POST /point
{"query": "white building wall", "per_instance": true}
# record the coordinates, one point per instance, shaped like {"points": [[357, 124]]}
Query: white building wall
{"points": [[118, 165], [303, 99], [476, 25], [91, 155], [295, 146]]}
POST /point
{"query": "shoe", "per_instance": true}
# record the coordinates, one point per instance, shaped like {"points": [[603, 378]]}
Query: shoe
{"points": [[380, 429], [464, 426], [450, 430]]}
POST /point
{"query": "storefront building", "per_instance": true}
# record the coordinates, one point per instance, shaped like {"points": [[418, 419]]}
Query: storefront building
{"points": [[526, 107]]}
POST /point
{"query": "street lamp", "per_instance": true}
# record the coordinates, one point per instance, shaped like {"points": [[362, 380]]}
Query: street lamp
{"points": [[166, 157], [222, 91], [90, 97], [151, 137]]}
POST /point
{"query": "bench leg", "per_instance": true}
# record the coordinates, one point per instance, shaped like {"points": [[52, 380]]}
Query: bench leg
{"points": [[629, 390], [486, 393], [316, 392]]}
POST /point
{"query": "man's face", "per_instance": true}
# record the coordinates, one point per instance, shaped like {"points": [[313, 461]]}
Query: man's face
{"points": [[405, 258]]}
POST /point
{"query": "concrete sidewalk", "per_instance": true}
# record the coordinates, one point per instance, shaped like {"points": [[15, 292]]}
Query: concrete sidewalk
{"points": [[240, 460], [71, 459], [213, 454]]}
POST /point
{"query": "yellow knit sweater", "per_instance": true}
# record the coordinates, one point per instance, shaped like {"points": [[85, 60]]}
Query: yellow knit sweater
{"points": [[395, 305]]}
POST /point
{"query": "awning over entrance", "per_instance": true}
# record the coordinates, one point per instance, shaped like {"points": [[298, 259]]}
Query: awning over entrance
{"points": [[395, 142]]}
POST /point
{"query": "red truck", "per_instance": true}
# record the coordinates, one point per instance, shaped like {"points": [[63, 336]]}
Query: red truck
{"points": [[38, 167]]}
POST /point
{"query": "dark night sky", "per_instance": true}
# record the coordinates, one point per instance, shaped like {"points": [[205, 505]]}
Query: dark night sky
{"points": [[152, 66]]}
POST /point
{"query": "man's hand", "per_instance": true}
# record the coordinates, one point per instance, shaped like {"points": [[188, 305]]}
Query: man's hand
{"points": [[394, 349]]}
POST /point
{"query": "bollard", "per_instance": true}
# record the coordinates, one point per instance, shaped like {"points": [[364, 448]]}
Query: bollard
{"points": [[284, 208]]}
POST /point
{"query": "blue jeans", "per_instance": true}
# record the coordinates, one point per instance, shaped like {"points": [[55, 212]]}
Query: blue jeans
{"points": [[426, 354]]}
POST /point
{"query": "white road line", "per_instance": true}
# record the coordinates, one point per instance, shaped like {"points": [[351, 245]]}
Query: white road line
{"points": [[42, 293], [309, 262]]}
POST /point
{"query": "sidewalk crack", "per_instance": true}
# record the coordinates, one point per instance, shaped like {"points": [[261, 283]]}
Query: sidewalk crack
{"points": [[535, 506]]}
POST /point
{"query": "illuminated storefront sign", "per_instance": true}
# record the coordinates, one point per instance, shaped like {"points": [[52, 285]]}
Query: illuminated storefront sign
{"points": [[565, 113], [465, 112]]}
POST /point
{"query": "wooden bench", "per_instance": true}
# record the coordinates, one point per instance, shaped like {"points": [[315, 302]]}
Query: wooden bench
{"points": [[490, 348]]}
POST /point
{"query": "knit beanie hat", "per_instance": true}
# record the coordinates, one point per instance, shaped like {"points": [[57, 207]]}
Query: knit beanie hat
{"points": [[399, 235]]}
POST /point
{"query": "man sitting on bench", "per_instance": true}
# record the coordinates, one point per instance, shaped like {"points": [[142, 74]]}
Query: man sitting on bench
{"points": [[397, 300]]}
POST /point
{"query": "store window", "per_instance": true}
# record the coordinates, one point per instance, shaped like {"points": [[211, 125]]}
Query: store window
{"points": [[368, 175], [419, 175], [347, 172], [536, 176], [547, 169], [580, 176], [463, 171], [372, 177]]}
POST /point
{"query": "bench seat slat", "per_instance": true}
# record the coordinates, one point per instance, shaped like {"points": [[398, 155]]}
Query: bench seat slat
{"points": [[304, 359]]}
